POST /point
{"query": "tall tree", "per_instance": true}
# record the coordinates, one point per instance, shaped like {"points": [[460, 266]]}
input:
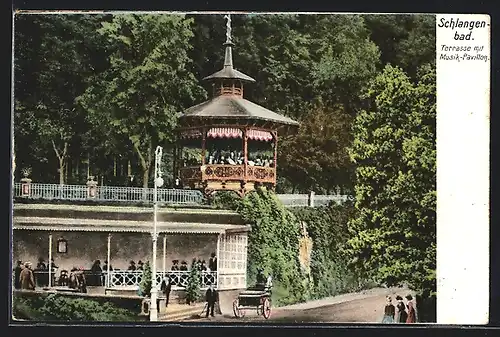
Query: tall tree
{"points": [[54, 56], [394, 231], [406, 41], [316, 158], [148, 82]]}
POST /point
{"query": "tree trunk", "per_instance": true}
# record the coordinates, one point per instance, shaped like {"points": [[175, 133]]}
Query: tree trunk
{"points": [[145, 178], [62, 160], [61, 172], [145, 163]]}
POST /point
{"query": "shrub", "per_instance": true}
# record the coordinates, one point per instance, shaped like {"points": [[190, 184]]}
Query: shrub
{"points": [[193, 284], [146, 284], [55, 307]]}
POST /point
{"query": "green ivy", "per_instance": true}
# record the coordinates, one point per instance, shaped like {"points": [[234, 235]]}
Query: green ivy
{"points": [[274, 246], [327, 227]]}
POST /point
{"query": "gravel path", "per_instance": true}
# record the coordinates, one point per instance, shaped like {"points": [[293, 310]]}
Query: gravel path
{"points": [[363, 307]]}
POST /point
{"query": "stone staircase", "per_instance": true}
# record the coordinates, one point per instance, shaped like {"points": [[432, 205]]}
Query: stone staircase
{"points": [[177, 312]]}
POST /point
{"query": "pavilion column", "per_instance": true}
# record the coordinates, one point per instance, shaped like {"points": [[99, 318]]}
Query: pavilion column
{"points": [[50, 260], [245, 153], [218, 259], [275, 134], [109, 261], [164, 254], [203, 146]]}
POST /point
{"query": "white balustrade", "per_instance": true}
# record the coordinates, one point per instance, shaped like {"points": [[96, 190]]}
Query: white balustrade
{"points": [[179, 279]]}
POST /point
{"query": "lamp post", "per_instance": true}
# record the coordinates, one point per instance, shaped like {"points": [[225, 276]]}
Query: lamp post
{"points": [[158, 182]]}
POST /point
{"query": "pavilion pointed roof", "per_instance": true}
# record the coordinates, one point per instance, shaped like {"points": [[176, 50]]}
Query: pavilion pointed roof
{"points": [[228, 71], [237, 108], [233, 107]]}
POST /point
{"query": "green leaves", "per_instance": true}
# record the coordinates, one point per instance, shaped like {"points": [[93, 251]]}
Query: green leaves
{"points": [[148, 81], [274, 245], [394, 228], [146, 282]]}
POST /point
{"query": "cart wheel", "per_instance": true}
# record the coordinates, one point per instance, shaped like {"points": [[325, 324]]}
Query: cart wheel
{"points": [[238, 313], [266, 308]]}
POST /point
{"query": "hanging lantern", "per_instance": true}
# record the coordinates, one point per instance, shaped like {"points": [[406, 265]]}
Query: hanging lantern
{"points": [[62, 246]]}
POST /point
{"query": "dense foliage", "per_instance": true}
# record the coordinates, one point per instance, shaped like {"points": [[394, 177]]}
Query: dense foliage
{"points": [[274, 246], [146, 282], [330, 272], [193, 284], [96, 93], [59, 308], [393, 235]]}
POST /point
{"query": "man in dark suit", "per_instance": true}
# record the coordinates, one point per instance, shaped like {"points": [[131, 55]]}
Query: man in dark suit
{"points": [[212, 262], [212, 297], [166, 287], [17, 275]]}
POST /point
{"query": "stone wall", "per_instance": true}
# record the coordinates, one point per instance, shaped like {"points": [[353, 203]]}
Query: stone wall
{"points": [[85, 247]]}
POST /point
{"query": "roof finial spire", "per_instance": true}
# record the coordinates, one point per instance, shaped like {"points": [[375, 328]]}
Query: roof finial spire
{"points": [[228, 28]]}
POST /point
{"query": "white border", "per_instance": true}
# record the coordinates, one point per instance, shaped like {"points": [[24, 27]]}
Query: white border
{"points": [[463, 91]]}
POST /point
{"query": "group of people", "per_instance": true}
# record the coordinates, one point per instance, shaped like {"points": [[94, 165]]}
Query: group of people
{"points": [[401, 313], [183, 266], [132, 266], [23, 276], [231, 157]]}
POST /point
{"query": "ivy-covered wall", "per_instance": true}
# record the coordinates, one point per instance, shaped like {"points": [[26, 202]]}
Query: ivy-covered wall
{"points": [[274, 246]]}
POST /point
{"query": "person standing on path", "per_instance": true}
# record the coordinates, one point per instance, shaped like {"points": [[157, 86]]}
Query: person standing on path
{"points": [[211, 298], [389, 311], [166, 287], [412, 318], [401, 314]]}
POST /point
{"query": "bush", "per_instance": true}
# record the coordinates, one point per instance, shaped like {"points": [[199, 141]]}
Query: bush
{"points": [[193, 284], [226, 200], [55, 307], [146, 284]]}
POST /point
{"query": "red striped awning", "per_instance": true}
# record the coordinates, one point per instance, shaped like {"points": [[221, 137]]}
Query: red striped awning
{"points": [[260, 135], [225, 133], [191, 134]]}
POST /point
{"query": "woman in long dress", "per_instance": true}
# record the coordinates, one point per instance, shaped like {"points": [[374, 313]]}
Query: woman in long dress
{"points": [[412, 317], [389, 311], [401, 314]]}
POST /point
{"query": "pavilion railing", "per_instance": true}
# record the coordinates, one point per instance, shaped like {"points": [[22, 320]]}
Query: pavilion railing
{"points": [[139, 194], [312, 200], [124, 279], [108, 193]]}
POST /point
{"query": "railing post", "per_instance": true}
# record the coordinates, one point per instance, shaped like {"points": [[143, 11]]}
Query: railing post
{"points": [[91, 188], [310, 201], [26, 187]]}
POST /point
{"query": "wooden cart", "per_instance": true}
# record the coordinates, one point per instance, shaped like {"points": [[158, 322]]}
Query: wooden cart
{"points": [[253, 299]]}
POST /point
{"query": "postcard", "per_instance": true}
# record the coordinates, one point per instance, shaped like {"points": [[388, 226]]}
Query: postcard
{"points": [[266, 168]]}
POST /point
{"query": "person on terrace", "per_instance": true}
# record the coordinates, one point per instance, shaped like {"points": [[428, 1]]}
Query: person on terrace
{"points": [[212, 262], [41, 265], [17, 274], [26, 278]]}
